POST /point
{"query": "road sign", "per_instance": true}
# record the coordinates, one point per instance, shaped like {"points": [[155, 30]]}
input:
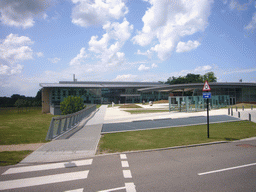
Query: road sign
{"points": [[207, 95], [206, 86]]}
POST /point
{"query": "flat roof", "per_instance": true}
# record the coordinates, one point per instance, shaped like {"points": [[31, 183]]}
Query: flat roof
{"points": [[192, 86], [99, 84]]}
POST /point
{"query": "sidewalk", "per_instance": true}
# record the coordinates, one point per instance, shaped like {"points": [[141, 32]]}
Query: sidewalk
{"points": [[80, 145]]}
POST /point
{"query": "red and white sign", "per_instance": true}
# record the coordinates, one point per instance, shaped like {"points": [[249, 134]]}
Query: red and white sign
{"points": [[206, 86]]}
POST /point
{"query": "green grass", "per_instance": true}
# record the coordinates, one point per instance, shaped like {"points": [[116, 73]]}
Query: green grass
{"points": [[130, 106], [178, 136], [145, 111], [23, 127], [240, 105], [12, 157]]}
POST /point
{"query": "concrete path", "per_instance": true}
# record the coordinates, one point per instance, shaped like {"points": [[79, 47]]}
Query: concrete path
{"points": [[244, 115], [82, 144]]}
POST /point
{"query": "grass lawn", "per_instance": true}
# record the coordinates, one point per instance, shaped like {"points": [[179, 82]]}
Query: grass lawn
{"points": [[130, 106], [146, 111], [240, 105], [170, 137], [12, 157], [23, 127]]}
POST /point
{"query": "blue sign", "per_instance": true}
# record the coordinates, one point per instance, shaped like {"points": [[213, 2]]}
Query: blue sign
{"points": [[207, 95]]}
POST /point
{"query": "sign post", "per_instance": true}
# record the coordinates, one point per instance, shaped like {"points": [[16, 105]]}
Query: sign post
{"points": [[207, 96]]}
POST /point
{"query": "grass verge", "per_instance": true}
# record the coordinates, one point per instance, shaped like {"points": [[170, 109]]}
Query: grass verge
{"points": [[23, 127], [12, 157], [177, 136], [146, 111]]}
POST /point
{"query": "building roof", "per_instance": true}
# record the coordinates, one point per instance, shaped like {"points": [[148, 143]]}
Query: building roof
{"points": [[100, 84], [192, 86]]}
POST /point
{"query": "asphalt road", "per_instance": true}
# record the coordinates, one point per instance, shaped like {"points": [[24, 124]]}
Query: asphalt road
{"points": [[164, 123], [187, 169]]}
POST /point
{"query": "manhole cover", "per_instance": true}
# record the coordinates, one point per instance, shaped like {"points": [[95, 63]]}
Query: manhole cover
{"points": [[246, 145]]}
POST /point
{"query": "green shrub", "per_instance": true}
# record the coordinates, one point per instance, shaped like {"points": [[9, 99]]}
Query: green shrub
{"points": [[71, 105]]}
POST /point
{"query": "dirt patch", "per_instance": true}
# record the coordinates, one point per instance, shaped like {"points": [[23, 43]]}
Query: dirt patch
{"points": [[21, 147]]}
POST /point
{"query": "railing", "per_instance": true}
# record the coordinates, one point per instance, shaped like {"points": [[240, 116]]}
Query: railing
{"points": [[65, 123]]}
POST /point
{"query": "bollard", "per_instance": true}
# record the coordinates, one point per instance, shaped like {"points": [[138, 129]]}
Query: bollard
{"points": [[236, 108], [231, 111], [251, 107], [238, 114], [243, 108], [228, 111], [250, 117]]}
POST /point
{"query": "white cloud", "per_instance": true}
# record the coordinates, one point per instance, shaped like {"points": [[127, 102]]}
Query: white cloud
{"points": [[80, 58], [169, 20], [7, 70], [154, 65], [235, 5], [143, 67], [14, 49], [39, 54], [148, 53], [117, 34], [128, 77], [185, 47], [54, 60], [98, 12], [21, 13], [252, 25]]}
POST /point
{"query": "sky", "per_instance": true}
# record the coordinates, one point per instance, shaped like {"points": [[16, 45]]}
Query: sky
{"points": [[124, 40]]}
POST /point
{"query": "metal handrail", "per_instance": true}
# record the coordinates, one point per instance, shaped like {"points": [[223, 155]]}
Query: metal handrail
{"points": [[64, 123]]}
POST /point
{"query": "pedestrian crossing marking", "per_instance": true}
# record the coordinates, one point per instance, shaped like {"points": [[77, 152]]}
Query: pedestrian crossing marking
{"points": [[48, 166], [50, 179]]}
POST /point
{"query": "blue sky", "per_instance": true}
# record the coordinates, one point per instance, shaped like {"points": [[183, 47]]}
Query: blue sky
{"points": [[124, 40]]}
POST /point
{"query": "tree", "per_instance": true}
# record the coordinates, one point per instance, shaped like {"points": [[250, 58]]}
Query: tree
{"points": [[71, 105], [210, 77], [192, 78]]}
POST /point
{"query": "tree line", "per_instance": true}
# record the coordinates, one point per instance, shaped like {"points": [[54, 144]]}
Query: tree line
{"points": [[21, 101], [192, 78]]}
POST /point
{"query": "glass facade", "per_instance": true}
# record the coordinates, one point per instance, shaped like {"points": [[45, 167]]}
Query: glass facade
{"points": [[105, 95], [197, 103]]}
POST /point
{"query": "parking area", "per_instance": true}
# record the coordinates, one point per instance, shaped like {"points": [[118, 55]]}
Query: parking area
{"points": [[163, 123]]}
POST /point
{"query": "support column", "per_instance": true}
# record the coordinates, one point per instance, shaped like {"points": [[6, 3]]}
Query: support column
{"points": [[46, 100]]}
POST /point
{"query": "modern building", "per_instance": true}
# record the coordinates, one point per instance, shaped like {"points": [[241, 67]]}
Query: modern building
{"points": [[237, 92], [97, 92]]}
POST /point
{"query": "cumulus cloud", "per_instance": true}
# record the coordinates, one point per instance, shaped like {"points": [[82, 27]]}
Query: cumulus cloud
{"points": [[169, 20], [148, 53], [128, 77], [87, 12], [80, 58], [143, 67], [14, 49], [21, 13], [185, 47], [252, 25], [117, 34]]}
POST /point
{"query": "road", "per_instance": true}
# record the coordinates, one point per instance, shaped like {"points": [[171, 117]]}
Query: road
{"points": [[220, 167]]}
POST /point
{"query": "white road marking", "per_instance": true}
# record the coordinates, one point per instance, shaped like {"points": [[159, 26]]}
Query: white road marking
{"points": [[226, 169], [127, 174], [76, 190], [125, 164], [114, 189], [28, 182], [130, 187], [48, 166], [123, 156]]}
